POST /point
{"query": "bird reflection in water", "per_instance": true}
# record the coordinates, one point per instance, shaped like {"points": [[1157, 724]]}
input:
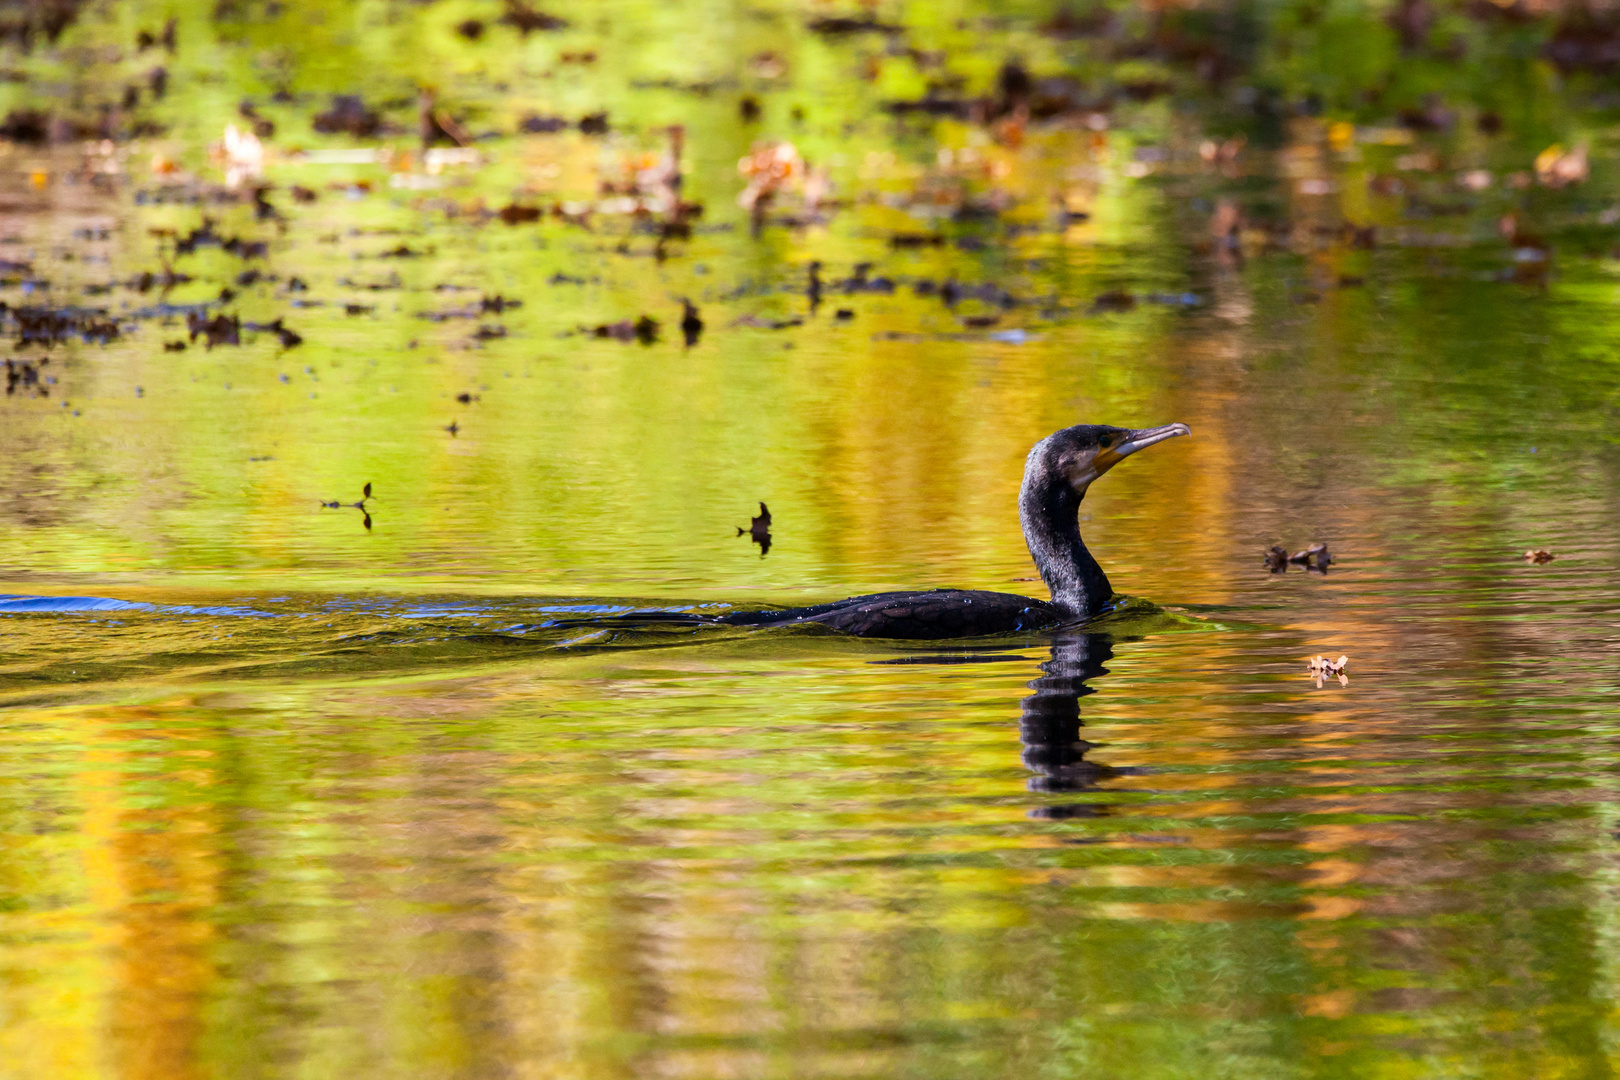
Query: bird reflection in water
{"points": [[1050, 725]]}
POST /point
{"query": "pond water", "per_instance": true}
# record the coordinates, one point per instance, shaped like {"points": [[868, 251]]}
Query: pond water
{"points": [[397, 789]]}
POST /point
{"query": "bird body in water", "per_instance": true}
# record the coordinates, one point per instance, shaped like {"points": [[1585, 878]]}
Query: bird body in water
{"points": [[1059, 470]]}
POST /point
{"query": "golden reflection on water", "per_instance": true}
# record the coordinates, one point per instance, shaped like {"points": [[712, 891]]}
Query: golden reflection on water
{"points": [[706, 862]]}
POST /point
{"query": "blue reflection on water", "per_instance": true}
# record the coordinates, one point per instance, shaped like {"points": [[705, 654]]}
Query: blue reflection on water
{"points": [[13, 604]]}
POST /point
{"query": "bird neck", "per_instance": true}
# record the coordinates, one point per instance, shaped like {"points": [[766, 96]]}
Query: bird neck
{"points": [[1049, 509]]}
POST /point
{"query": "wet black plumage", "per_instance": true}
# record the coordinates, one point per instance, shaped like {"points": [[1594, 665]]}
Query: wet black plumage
{"points": [[917, 616]]}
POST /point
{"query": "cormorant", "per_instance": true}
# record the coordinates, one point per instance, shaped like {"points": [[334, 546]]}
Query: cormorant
{"points": [[1056, 475]]}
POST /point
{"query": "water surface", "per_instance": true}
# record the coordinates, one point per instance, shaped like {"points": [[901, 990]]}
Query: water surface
{"points": [[292, 790]]}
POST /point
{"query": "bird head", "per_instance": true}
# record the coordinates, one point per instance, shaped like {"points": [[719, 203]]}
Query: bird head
{"points": [[1082, 453]]}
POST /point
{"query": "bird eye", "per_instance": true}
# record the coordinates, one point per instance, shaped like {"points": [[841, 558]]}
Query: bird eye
{"points": [[1106, 441]]}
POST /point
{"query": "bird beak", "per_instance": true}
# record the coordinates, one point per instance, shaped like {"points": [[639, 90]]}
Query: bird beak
{"points": [[1146, 437], [1140, 439]]}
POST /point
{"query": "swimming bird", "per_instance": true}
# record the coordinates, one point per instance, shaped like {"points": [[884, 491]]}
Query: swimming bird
{"points": [[1058, 472]]}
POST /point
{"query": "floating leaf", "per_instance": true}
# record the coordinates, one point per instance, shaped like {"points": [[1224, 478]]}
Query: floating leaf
{"points": [[1322, 668], [759, 530]]}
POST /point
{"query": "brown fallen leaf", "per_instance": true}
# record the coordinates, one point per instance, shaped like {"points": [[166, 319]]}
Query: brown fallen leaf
{"points": [[1539, 555], [1315, 558], [535, 124], [290, 339], [691, 323], [350, 115], [27, 376], [623, 330], [338, 504], [1114, 300], [526, 19], [220, 330], [759, 530], [768, 324], [1557, 167], [513, 214], [770, 168], [843, 25], [644, 330], [1322, 668]]}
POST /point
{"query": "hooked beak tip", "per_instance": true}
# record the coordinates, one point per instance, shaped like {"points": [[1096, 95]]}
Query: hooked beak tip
{"points": [[1146, 437]]}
